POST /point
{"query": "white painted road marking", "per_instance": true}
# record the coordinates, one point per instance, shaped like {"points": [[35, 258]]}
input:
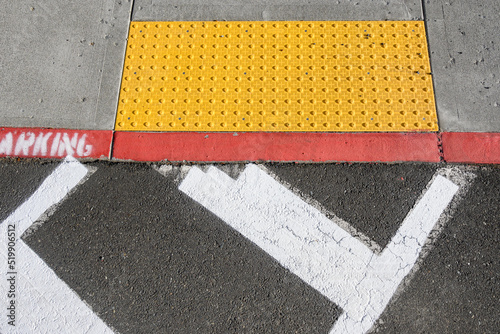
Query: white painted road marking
{"points": [[313, 247], [43, 302]]}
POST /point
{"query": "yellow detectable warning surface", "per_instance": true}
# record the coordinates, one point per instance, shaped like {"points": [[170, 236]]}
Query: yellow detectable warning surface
{"points": [[277, 76]]}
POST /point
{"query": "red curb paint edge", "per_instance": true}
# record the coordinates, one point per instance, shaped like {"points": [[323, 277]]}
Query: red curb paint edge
{"points": [[471, 147], [55, 143], [460, 147], [260, 146]]}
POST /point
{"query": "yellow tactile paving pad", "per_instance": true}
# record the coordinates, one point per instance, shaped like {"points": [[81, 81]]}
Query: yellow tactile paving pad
{"points": [[277, 76]]}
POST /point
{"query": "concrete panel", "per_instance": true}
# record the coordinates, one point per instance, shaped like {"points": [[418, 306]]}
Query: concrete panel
{"points": [[199, 10], [465, 61], [62, 62]]}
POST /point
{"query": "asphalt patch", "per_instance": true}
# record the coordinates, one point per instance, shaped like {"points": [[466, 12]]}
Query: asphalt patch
{"points": [[148, 259]]}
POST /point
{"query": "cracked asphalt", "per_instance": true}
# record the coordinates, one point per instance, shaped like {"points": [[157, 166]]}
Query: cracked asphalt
{"points": [[148, 259]]}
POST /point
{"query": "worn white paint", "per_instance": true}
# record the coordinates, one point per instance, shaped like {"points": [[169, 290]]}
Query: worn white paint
{"points": [[44, 303], [41, 144], [316, 248], [55, 144], [26, 143], [6, 144]]}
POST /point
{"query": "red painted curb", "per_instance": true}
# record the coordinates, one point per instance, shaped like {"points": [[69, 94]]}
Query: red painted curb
{"points": [[54, 143], [471, 147], [260, 146]]}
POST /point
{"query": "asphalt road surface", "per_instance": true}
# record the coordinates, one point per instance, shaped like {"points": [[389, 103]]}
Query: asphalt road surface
{"points": [[148, 258]]}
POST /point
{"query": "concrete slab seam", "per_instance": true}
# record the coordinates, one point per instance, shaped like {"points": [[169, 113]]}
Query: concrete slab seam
{"points": [[121, 75], [424, 19]]}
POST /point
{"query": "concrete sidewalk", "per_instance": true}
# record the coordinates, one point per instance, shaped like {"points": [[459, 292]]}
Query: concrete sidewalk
{"points": [[63, 62]]}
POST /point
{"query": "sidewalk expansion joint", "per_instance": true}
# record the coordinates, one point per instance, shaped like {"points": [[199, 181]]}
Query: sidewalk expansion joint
{"points": [[440, 147]]}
